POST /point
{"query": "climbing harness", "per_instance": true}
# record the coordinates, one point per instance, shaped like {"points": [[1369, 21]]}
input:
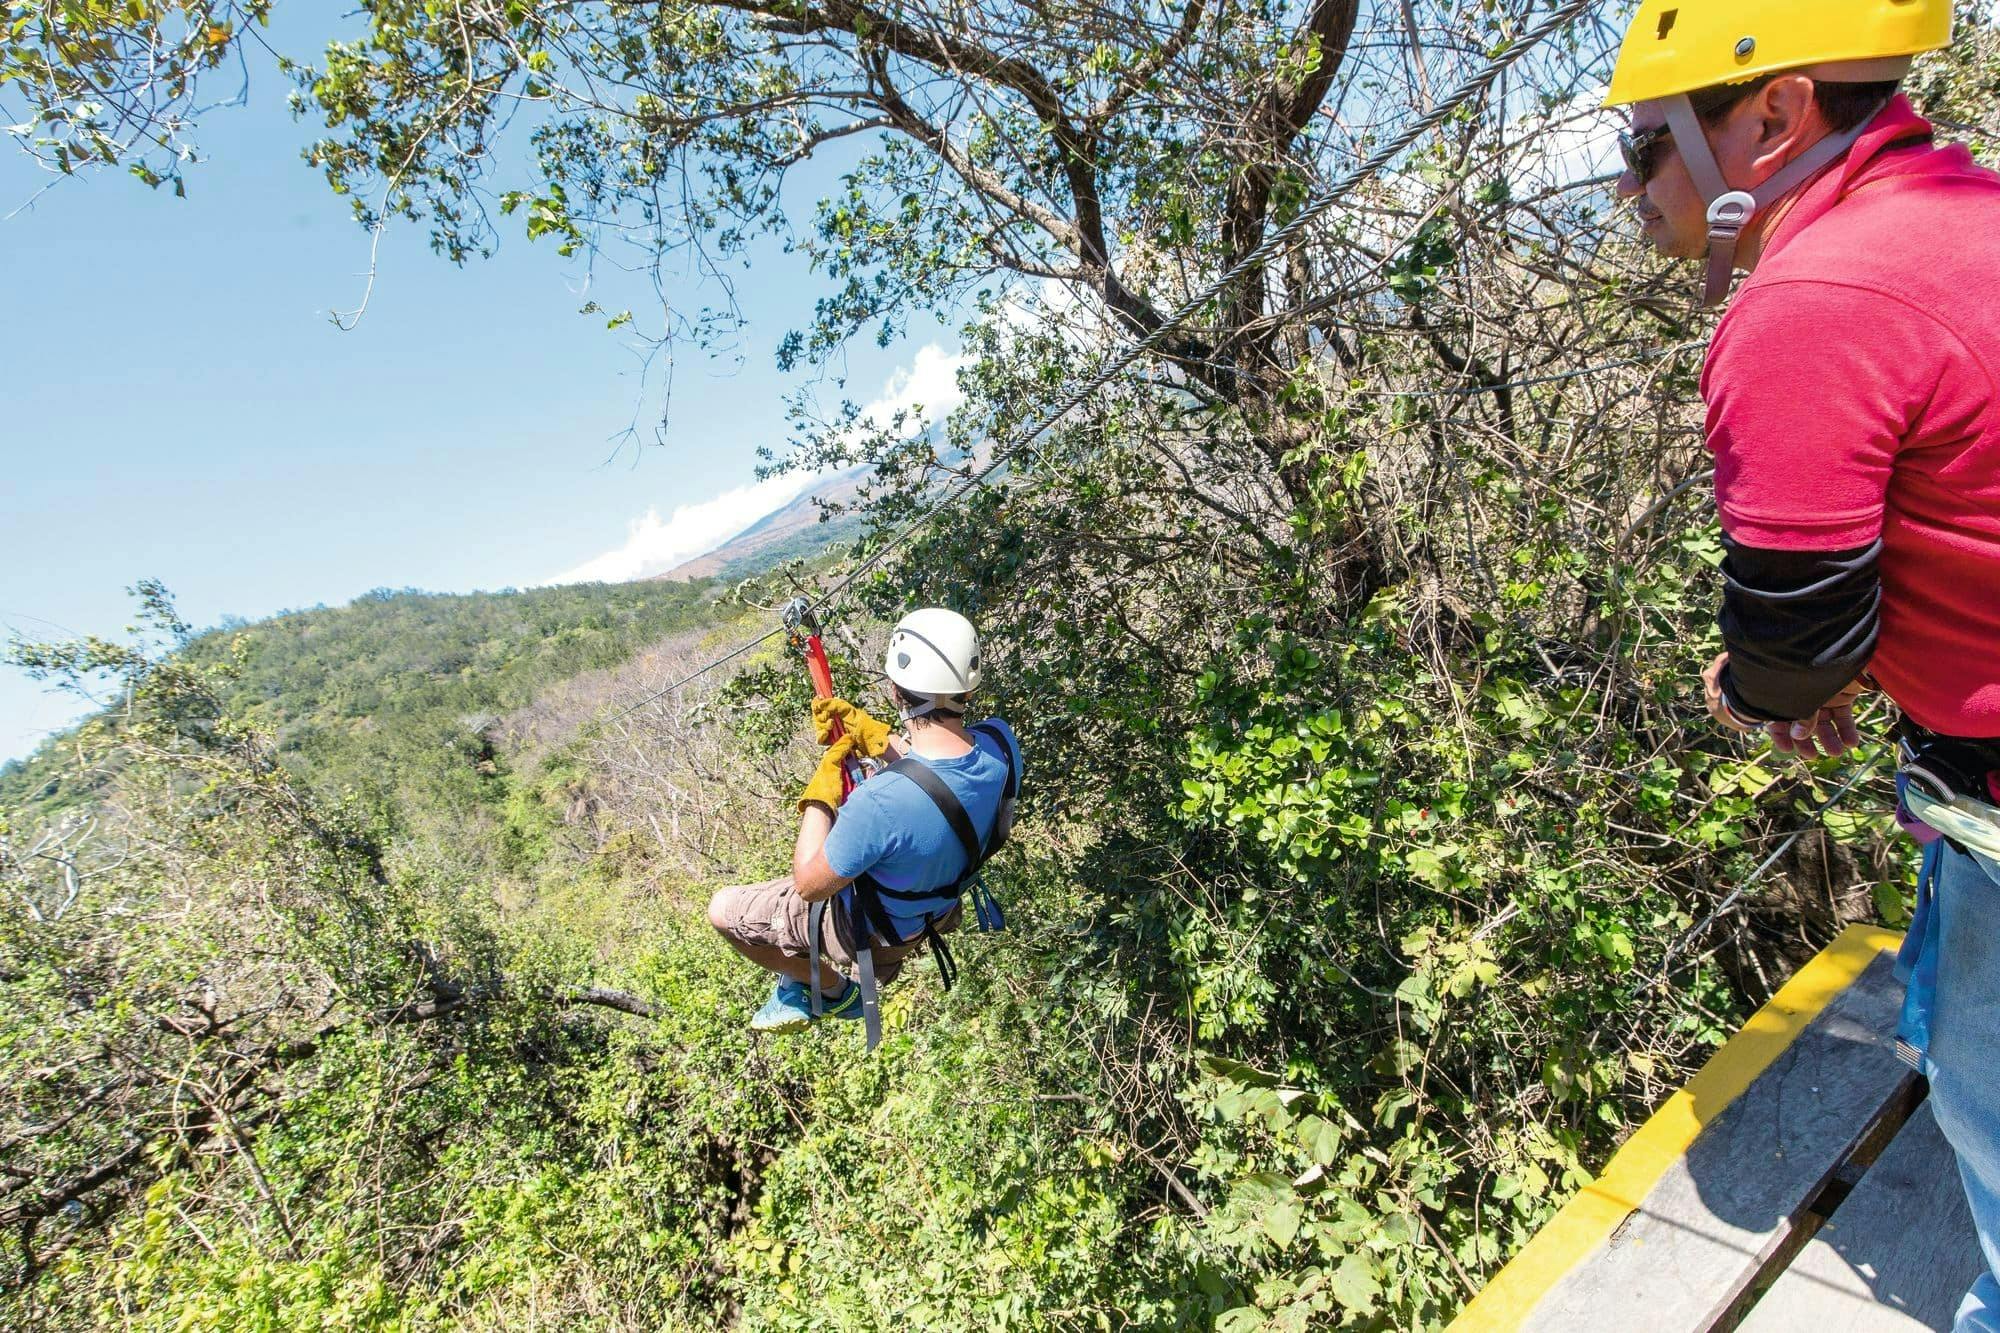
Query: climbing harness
{"points": [[1952, 785], [863, 899], [866, 898], [1948, 795]]}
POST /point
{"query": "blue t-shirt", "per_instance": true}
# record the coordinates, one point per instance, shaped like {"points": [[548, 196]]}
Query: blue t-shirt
{"points": [[890, 829]]}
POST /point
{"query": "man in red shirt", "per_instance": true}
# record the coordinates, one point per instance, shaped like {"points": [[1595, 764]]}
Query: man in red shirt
{"points": [[1854, 415]]}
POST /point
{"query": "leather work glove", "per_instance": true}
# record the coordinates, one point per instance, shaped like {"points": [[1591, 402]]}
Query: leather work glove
{"points": [[825, 784], [871, 736]]}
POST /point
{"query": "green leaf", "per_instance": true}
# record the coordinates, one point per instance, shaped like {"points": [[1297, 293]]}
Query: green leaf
{"points": [[1355, 1285], [1236, 1071], [1281, 1223], [1320, 1138]]}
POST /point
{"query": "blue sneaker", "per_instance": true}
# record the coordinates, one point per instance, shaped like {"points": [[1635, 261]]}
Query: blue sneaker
{"points": [[845, 1005], [790, 1007]]}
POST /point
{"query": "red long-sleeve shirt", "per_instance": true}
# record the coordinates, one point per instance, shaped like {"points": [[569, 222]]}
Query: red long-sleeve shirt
{"points": [[1852, 396]]}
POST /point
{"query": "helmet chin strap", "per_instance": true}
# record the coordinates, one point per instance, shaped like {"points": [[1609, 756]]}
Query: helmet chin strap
{"points": [[1730, 212], [925, 709]]}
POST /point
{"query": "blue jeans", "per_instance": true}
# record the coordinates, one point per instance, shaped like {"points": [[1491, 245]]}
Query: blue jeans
{"points": [[1952, 1019]]}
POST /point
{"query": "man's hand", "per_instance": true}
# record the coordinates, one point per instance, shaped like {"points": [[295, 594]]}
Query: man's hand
{"points": [[825, 784], [1718, 703], [1832, 728], [871, 736]]}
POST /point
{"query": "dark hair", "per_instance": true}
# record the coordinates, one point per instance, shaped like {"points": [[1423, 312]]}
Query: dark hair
{"points": [[1844, 105]]}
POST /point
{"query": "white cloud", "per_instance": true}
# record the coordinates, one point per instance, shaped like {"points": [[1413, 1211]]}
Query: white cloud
{"points": [[654, 545], [931, 381]]}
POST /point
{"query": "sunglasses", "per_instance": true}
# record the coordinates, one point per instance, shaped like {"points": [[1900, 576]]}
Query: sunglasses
{"points": [[1643, 151]]}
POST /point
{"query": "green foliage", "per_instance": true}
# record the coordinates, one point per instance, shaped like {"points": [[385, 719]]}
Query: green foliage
{"points": [[1307, 1013], [390, 697], [1371, 817], [110, 83]]}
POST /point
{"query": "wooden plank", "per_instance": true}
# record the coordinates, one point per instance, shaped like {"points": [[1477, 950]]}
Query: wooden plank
{"points": [[1896, 1256], [1701, 1236], [1591, 1216]]}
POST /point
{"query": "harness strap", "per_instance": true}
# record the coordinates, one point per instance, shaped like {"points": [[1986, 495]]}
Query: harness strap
{"points": [[986, 908], [947, 802], [947, 965], [945, 894], [871, 994], [1003, 818], [813, 954], [993, 733], [870, 918]]}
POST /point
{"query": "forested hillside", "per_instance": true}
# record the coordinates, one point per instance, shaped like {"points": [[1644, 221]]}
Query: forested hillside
{"points": [[1378, 867], [359, 693]]}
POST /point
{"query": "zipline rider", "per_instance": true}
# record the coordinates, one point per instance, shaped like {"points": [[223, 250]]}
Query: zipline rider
{"points": [[888, 875], [1854, 415]]}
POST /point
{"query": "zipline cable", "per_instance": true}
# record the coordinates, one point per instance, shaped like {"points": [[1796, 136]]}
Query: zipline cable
{"points": [[695, 675], [1316, 208], [1750, 881]]}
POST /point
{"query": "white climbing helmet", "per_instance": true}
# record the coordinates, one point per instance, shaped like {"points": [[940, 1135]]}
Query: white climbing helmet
{"points": [[933, 654]]}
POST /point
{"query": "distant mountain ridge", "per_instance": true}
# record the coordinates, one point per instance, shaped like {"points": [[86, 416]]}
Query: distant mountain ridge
{"points": [[798, 530], [793, 530]]}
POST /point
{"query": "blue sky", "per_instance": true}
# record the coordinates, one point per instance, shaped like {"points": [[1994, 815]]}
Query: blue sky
{"points": [[179, 405]]}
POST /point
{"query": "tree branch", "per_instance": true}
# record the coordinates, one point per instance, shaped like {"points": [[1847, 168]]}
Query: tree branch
{"points": [[906, 119], [1143, 73], [1287, 108], [623, 1001]]}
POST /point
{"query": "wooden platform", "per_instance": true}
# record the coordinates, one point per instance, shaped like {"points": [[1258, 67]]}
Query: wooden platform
{"points": [[1796, 1183], [1898, 1253]]}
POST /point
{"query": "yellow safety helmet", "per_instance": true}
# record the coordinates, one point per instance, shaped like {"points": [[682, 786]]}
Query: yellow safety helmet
{"points": [[1679, 46]]}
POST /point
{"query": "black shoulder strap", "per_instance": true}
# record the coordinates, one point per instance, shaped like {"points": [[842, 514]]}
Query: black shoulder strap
{"points": [[1002, 815], [933, 786], [1006, 753]]}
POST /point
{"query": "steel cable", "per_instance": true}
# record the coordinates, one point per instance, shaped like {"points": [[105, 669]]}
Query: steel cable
{"points": [[1314, 210]]}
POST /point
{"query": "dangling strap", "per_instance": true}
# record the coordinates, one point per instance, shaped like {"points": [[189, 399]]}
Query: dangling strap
{"points": [[871, 994], [868, 918], [866, 905], [986, 908], [947, 965], [1731, 211], [813, 940]]}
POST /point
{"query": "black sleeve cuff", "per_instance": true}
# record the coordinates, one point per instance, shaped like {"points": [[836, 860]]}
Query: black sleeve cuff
{"points": [[1799, 626]]}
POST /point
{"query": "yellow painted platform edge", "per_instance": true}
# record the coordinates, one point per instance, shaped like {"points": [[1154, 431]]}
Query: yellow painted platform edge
{"points": [[1587, 1220]]}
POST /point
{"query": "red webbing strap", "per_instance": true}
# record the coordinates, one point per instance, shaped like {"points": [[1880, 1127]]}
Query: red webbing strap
{"points": [[851, 774]]}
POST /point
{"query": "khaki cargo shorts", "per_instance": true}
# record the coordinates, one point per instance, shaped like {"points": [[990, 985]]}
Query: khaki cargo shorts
{"points": [[771, 915]]}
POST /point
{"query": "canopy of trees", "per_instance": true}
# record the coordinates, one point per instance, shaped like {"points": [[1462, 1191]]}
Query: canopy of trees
{"points": [[1365, 890]]}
